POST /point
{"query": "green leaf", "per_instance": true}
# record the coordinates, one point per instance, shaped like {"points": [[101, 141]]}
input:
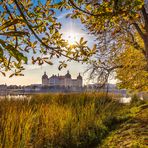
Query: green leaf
{"points": [[1, 52], [15, 33], [14, 52], [3, 73], [49, 62], [11, 75], [81, 40], [68, 15], [9, 23]]}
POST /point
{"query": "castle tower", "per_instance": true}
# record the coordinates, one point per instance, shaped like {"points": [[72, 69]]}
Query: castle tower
{"points": [[79, 80], [67, 79], [45, 79]]}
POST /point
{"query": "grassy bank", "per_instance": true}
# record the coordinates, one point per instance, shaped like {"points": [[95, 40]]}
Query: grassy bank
{"points": [[133, 133], [62, 120]]}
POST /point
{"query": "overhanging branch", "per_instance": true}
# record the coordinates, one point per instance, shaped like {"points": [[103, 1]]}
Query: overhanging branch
{"points": [[55, 49], [73, 4], [139, 30]]}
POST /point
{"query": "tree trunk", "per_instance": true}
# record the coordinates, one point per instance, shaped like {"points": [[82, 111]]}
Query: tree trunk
{"points": [[146, 49]]}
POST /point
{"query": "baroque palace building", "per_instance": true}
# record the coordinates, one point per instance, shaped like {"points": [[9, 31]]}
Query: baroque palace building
{"points": [[62, 81]]}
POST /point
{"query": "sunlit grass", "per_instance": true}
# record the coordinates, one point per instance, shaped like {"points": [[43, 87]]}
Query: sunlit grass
{"points": [[58, 120]]}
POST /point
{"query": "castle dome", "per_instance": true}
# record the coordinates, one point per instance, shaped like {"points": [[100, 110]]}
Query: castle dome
{"points": [[68, 75], [44, 76], [79, 77]]}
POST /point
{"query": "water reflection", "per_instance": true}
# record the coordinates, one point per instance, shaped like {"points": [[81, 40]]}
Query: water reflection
{"points": [[125, 100], [22, 97], [15, 97]]}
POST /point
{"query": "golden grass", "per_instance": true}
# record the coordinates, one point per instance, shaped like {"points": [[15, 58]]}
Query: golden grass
{"points": [[57, 120]]}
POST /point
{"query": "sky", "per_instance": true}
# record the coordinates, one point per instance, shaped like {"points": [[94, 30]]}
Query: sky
{"points": [[72, 30]]}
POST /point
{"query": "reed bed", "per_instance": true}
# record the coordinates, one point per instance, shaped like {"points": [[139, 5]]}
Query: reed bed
{"points": [[57, 120]]}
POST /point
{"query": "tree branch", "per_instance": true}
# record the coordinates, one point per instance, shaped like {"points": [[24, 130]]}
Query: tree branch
{"points": [[89, 13], [145, 16], [16, 38], [55, 49], [30, 27], [139, 30], [113, 13], [134, 42], [78, 8]]}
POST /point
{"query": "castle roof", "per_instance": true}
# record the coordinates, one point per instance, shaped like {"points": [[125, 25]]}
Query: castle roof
{"points": [[68, 75], [53, 76]]}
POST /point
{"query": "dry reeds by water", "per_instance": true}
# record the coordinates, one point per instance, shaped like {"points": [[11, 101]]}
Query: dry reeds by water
{"points": [[57, 120]]}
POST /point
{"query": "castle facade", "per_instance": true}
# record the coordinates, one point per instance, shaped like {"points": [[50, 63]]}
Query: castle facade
{"points": [[62, 81]]}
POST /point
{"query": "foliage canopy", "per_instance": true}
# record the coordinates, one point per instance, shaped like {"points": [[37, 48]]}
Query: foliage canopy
{"points": [[119, 26], [29, 29]]}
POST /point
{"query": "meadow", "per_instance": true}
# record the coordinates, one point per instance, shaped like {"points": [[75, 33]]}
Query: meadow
{"points": [[72, 121]]}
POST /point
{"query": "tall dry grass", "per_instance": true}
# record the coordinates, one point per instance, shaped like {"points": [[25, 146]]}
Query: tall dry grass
{"points": [[56, 120]]}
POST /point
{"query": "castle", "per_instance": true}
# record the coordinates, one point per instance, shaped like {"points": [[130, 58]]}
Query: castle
{"points": [[62, 81]]}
